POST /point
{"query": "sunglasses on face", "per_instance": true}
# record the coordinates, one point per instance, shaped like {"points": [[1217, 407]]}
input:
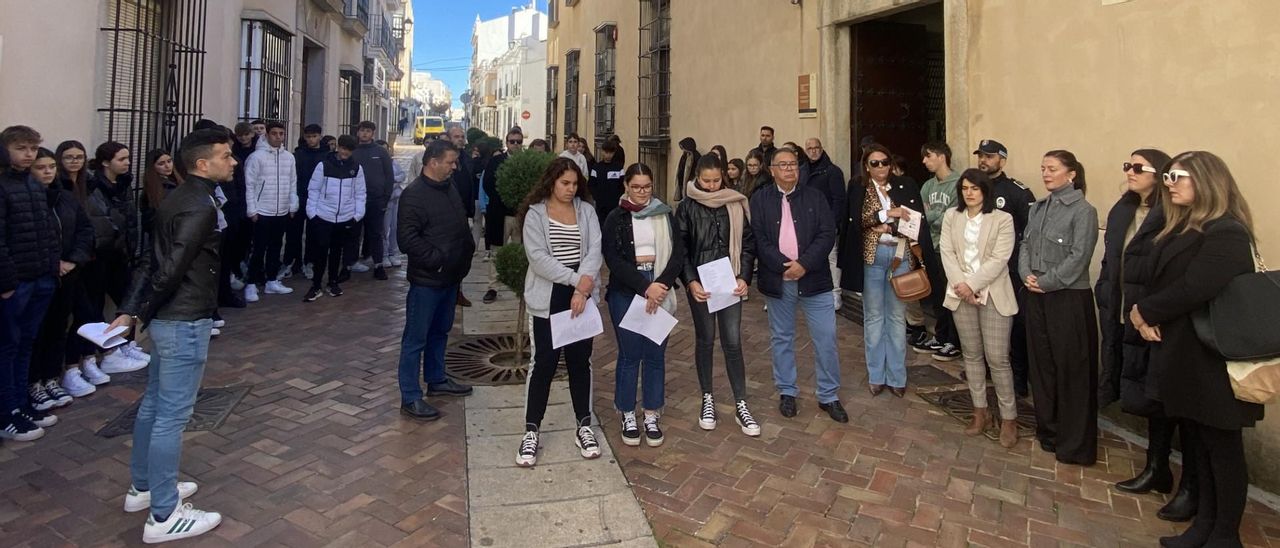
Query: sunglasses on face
{"points": [[515, 141], [1138, 168], [879, 163], [1174, 175]]}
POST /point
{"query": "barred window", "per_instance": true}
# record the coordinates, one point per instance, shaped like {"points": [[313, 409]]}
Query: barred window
{"points": [[264, 78], [655, 88], [348, 102], [606, 90], [553, 106], [571, 69]]}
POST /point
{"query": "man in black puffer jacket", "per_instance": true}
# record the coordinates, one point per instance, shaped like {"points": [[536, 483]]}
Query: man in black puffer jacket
{"points": [[820, 174], [433, 232], [29, 255], [307, 156]]}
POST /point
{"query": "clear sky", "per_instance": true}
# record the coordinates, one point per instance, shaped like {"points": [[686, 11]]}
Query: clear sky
{"points": [[442, 36]]}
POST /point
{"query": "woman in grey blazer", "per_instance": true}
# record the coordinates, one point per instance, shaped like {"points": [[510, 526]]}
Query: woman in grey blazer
{"points": [[977, 240], [562, 242]]}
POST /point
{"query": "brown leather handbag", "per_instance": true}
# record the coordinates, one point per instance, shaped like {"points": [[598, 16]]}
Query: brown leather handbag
{"points": [[914, 284]]}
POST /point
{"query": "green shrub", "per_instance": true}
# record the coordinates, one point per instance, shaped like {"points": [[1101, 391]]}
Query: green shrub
{"points": [[511, 264], [475, 134], [520, 173]]}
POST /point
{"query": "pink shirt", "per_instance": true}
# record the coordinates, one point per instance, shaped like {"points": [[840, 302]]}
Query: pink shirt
{"points": [[787, 232]]}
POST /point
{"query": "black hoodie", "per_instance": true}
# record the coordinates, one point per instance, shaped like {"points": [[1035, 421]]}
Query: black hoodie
{"points": [[605, 184], [307, 158]]}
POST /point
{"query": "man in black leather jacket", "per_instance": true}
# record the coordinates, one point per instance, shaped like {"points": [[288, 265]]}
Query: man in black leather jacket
{"points": [[175, 297]]}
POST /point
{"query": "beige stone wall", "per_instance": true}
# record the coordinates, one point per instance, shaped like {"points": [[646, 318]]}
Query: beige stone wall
{"points": [[577, 31], [49, 58]]}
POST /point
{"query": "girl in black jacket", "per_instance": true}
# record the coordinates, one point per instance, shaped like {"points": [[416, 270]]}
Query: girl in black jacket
{"points": [[714, 223], [118, 243]]}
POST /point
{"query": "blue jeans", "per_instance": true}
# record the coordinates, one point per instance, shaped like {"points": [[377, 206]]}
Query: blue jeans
{"points": [[884, 322], [173, 380], [636, 351], [428, 319], [820, 317], [20, 318]]}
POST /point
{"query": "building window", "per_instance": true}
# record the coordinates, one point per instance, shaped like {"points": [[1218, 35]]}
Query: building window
{"points": [[606, 90], [571, 70], [655, 88], [264, 78], [553, 14], [153, 72], [348, 102], [553, 103]]}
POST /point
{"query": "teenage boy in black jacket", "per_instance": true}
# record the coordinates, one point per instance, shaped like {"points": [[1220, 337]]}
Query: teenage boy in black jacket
{"points": [[379, 178], [306, 156]]}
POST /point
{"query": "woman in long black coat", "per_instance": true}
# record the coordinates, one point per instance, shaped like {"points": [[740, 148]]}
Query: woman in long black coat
{"points": [[1205, 244]]}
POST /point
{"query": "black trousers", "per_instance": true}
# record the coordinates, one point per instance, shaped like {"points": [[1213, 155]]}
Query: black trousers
{"points": [[83, 312], [327, 241], [106, 276], [374, 218], [268, 239], [1062, 336], [1019, 358], [293, 239], [1224, 484], [577, 357], [729, 321], [235, 246], [49, 353]]}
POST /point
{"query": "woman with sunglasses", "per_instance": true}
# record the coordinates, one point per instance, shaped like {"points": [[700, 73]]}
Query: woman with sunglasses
{"points": [[1127, 374], [1062, 338], [871, 243], [1205, 243]]}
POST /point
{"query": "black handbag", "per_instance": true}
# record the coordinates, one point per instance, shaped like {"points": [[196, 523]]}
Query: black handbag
{"points": [[1240, 323]]}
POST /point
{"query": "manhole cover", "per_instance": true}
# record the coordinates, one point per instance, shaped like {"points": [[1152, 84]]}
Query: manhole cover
{"points": [[213, 405], [959, 404], [490, 360]]}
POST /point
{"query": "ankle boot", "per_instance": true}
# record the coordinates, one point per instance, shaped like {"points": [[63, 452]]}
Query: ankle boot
{"points": [[1183, 505], [1156, 476], [979, 423], [1008, 433]]}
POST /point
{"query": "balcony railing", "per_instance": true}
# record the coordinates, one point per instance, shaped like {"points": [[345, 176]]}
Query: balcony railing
{"points": [[356, 16]]}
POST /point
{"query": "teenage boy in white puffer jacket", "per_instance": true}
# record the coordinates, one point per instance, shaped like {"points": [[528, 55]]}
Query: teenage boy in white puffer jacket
{"points": [[271, 197], [336, 197]]}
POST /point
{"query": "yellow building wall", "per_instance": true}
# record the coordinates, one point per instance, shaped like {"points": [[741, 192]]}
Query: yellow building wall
{"points": [[1102, 81]]}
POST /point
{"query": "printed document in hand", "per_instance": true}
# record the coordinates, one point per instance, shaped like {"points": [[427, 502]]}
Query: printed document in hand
{"points": [[97, 334], [655, 326], [909, 226], [717, 279], [566, 329]]}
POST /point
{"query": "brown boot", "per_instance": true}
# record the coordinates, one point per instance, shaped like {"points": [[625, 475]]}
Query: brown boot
{"points": [[979, 423], [1008, 433]]}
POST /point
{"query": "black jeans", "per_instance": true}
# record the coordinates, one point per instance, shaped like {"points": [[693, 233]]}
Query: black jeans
{"points": [[326, 242], [82, 312], [49, 353], [106, 276], [730, 326], [268, 239], [1223, 478], [1019, 358], [577, 357], [374, 218], [293, 239]]}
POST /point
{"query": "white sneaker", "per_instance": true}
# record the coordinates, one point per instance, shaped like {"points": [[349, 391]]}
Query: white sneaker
{"points": [[360, 267], [119, 362], [75, 384], [839, 300], [285, 272], [386, 263], [137, 501], [184, 522], [134, 352], [395, 260], [219, 324], [214, 332], [92, 373], [236, 283], [308, 271], [708, 419], [277, 288], [251, 293]]}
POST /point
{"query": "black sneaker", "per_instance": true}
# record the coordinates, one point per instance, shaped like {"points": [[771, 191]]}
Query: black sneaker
{"points": [[585, 439], [745, 421], [335, 290], [490, 296], [40, 399], [379, 273], [916, 335], [313, 294], [19, 429], [38, 418], [630, 432], [708, 419], [928, 346], [448, 388], [787, 406], [528, 454], [652, 434], [946, 353]]}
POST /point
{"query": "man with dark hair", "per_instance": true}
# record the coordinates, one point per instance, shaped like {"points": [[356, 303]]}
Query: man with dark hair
{"points": [[30, 253], [824, 176], [1014, 198], [259, 127], [174, 296], [794, 234], [499, 217], [433, 231], [336, 203], [766, 147], [464, 180], [379, 177], [238, 237], [605, 179], [939, 195], [271, 200], [307, 156]]}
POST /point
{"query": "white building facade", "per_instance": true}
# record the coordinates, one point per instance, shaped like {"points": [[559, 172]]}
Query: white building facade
{"points": [[508, 68]]}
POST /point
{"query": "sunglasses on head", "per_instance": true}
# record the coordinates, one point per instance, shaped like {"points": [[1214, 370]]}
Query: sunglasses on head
{"points": [[879, 163], [1172, 176], [1137, 168]]}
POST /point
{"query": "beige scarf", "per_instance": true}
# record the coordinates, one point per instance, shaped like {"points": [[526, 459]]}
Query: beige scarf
{"points": [[739, 215]]}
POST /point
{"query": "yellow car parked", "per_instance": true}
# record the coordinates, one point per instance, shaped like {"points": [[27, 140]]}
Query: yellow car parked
{"points": [[426, 128]]}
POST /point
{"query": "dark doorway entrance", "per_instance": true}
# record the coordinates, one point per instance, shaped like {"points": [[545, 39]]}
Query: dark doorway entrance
{"points": [[313, 100], [898, 84]]}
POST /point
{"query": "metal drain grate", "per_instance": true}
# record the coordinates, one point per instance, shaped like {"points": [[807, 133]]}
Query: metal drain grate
{"points": [[487, 360], [959, 404], [213, 405]]}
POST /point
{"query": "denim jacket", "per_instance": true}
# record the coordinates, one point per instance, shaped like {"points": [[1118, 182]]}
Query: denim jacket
{"points": [[1059, 241]]}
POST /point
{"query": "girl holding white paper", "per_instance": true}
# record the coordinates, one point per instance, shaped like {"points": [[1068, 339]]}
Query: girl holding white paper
{"points": [[562, 243], [644, 256], [714, 224]]}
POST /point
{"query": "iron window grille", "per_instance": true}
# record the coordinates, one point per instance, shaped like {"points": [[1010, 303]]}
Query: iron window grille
{"points": [[572, 68], [348, 102], [153, 74], [606, 88], [265, 76], [553, 100], [655, 88]]}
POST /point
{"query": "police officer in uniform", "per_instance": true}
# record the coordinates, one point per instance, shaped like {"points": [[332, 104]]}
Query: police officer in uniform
{"points": [[1016, 199]]}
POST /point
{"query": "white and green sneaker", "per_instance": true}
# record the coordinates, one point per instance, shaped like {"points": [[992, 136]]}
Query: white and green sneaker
{"points": [[137, 501], [185, 522]]}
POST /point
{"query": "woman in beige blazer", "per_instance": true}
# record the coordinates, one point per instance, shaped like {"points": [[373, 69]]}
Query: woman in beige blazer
{"points": [[977, 240]]}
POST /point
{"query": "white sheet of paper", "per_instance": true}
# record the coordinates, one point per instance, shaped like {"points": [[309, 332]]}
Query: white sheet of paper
{"points": [[909, 226], [656, 327], [97, 334], [566, 329], [717, 279]]}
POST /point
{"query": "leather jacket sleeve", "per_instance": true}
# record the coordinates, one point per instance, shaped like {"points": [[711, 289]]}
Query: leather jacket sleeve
{"points": [[155, 283], [748, 260]]}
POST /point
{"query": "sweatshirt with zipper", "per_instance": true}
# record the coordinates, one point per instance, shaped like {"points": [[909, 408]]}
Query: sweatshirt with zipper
{"points": [[336, 193]]}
